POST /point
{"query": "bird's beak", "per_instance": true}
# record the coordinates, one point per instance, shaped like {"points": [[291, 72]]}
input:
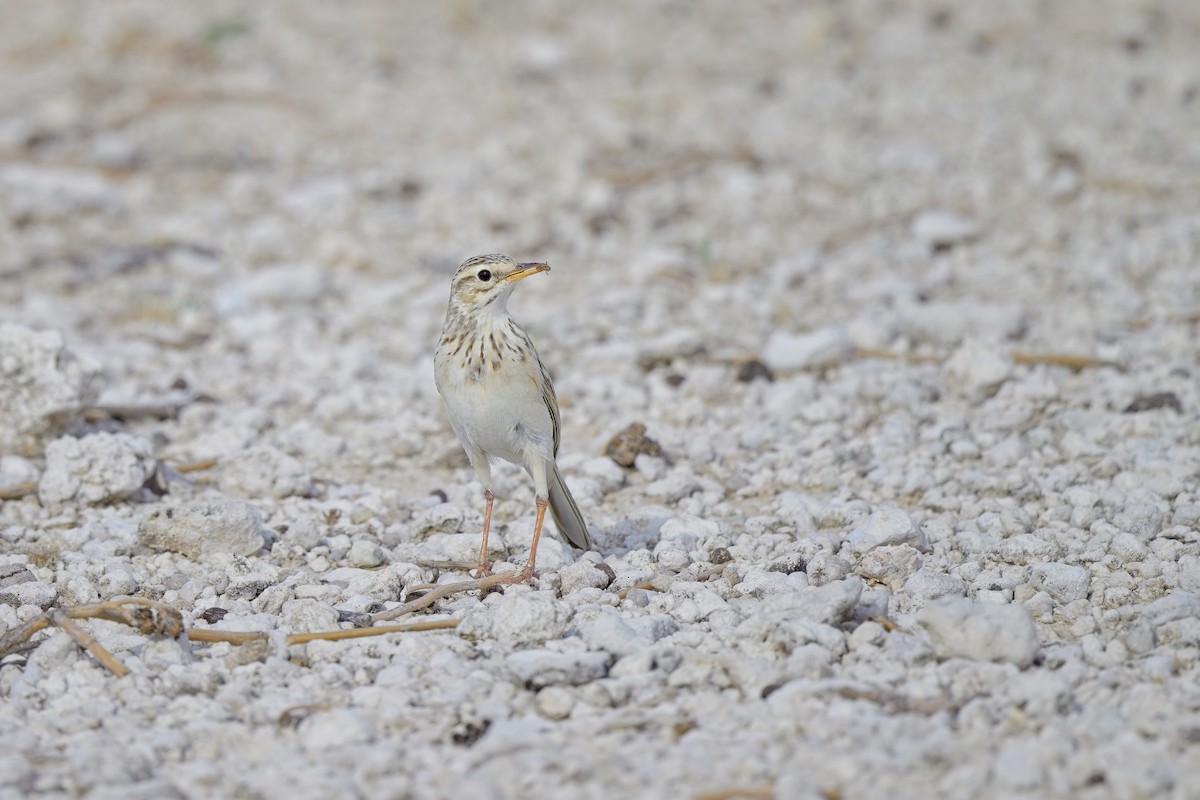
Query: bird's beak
{"points": [[524, 270]]}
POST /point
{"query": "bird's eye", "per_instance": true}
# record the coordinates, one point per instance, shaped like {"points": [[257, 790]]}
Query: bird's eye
{"points": [[484, 275]]}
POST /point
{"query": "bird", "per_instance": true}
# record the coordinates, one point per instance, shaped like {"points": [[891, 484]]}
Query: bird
{"points": [[499, 399]]}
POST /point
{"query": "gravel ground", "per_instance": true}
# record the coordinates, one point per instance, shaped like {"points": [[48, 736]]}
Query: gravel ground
{"points": [[906, 296]]}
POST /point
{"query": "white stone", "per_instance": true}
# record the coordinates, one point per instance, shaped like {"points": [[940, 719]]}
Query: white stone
{"points": [[788, 352], [959, 628], [99, 468], [43, 387], [442, 518], [29, 593], [365, 553], [826, 568], [941, 228], [890, 565], [582, 574], [540, 668], [610, 633], [1026, 548], [220, 527], [1179, 604], [976, 369], [1064, 582], [305, 615], [887, 525], [263, 471], [529, 618], [326, 731], [555, 702]]}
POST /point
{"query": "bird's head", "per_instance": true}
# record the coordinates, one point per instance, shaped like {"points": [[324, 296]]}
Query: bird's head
{"points": [[487, 281]]}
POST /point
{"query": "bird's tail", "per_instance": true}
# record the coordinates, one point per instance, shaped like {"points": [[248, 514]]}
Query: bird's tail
{"points": [[566, 514]]}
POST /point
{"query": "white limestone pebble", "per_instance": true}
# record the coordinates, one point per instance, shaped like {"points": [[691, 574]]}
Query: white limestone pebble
{"points": [[203, 529], [976, 369], [959, 628], [539, 668], [263, 471], [583, 574], [788, 352], [1064, 582], [29, 593], [891, 565], [1179, 604], [555, 702], [941, 228], [98, 468], [887, 525], [44, 386], [529, 618], [612, 634], [329, 730], [442, 518], [365, 553], [306, 615], [828, 604], [826, 568]]}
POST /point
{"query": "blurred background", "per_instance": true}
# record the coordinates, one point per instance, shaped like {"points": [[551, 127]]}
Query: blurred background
{"points": [[208, 193]]}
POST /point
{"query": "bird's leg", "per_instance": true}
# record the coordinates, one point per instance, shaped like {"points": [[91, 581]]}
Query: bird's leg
{"points": [[527, 573], [485, 566]]}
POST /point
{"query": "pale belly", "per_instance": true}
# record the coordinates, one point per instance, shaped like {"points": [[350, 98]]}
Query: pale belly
{"points": [[505, 418]]}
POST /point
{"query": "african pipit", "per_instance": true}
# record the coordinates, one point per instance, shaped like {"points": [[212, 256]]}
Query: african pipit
{"points": [[499, 398]]}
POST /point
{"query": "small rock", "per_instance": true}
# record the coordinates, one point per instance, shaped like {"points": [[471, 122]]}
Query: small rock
{"points": [[791, 352], [15, 472], [1152, 402], [612, 634], [306, 615], [14, 573], [826, 568], [887, 525], [1064, 582], [99, 468], [672, 488], [604, 471], [928, 584], [1179, 604], [442, 518], [365, 553], [584, 574], [681, 344], [1143, 520], [758, 582], [976, 370], [1128, 548], [43, 387], [326, 731], [950, 322], [1025, 548], [530, 618], [263, 471], [539, 668], [890, 565], [753, 369], [554, 702], [29, 593], [939, 229], [959, 628], [626, 446], [209, 528], [832, 603]]}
